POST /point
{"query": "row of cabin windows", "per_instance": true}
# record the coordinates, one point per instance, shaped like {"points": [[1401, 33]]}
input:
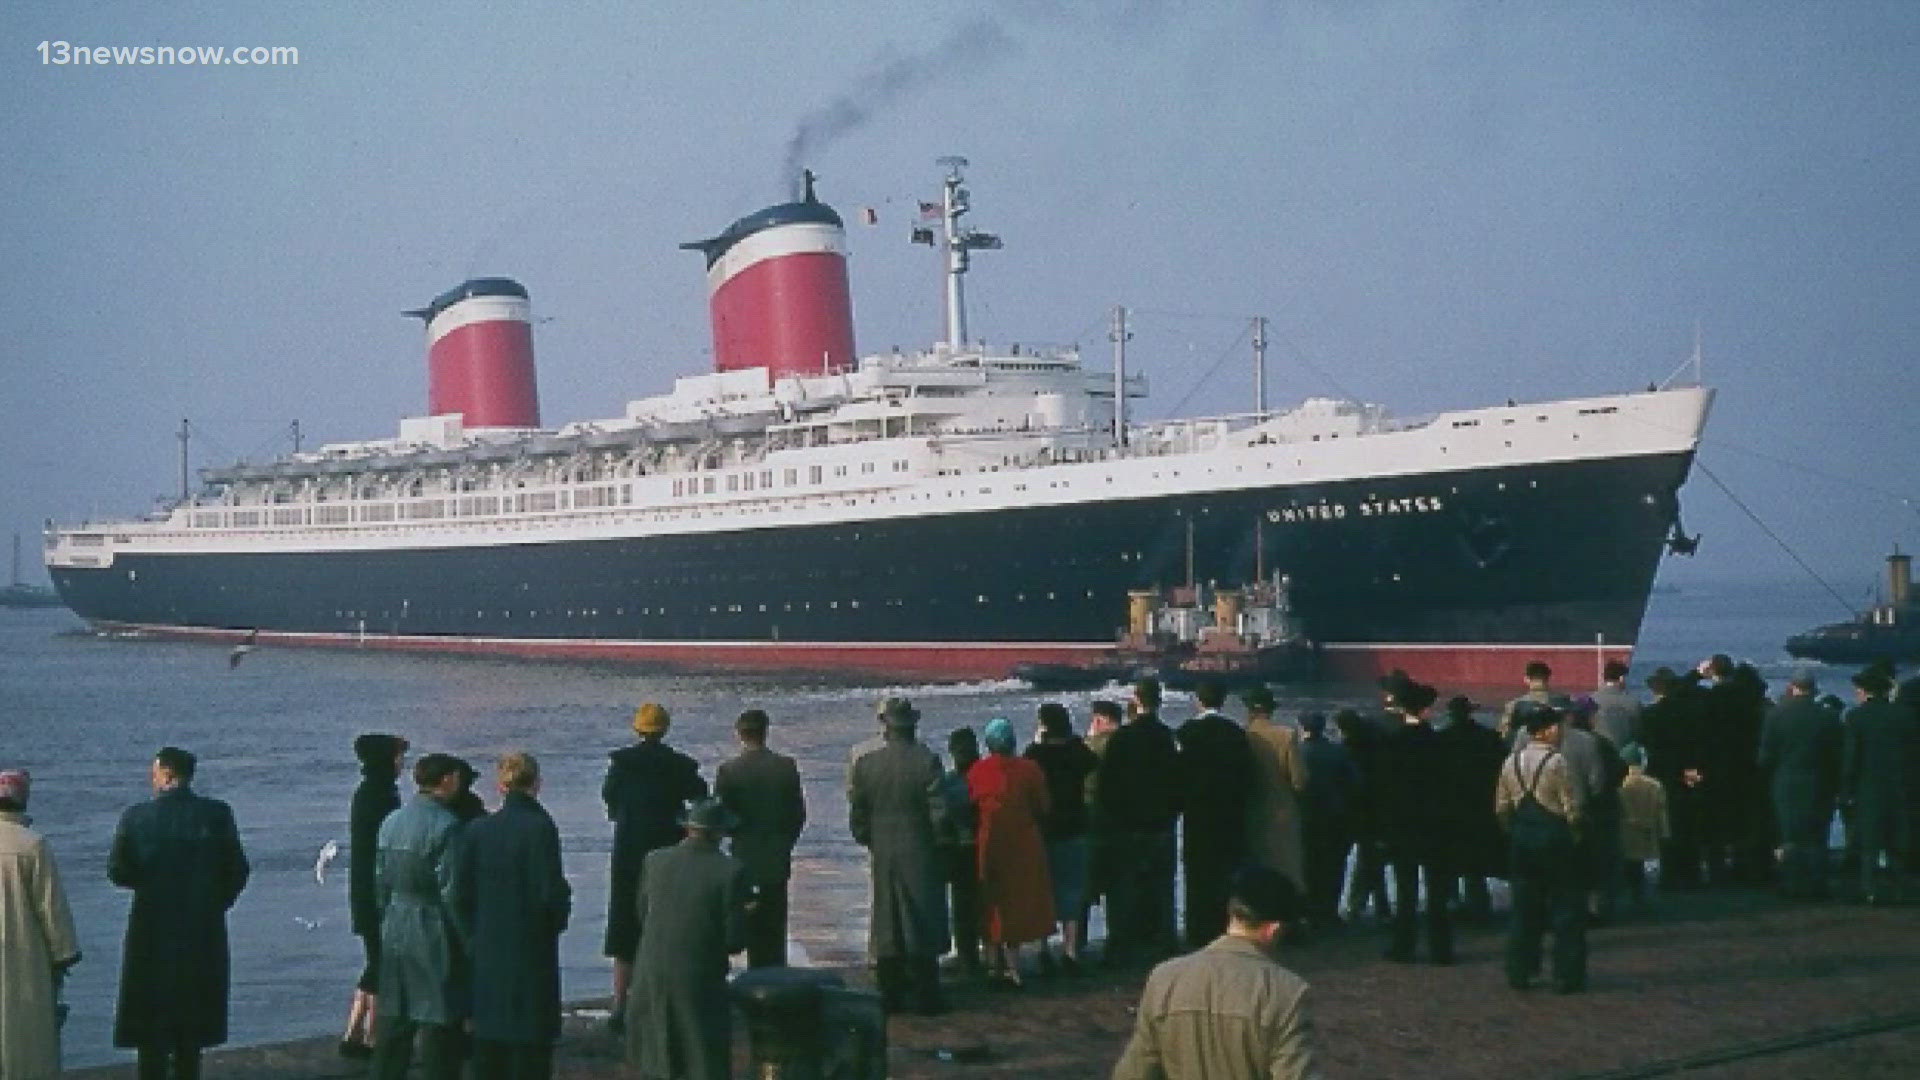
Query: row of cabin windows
{"points": [[763, 480]]}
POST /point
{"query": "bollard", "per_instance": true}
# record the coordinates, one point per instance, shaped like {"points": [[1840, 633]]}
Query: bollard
{"points": [[782, 1006]]}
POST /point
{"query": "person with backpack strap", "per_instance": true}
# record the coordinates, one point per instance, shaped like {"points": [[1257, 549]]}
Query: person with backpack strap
{"points": [[1539, 805]]}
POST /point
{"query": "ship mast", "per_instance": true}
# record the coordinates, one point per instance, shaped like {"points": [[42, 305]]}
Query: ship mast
{"points": [[958, 241]]}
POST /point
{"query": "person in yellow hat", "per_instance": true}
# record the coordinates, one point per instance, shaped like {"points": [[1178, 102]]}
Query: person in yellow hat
{"points": [[648, 788]]}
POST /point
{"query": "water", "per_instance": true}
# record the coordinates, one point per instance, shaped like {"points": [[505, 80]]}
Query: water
{"points": [[274, 737]]}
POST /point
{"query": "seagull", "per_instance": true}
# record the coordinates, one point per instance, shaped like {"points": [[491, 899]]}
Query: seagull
{"points": [[328, 852], [241, 650]]}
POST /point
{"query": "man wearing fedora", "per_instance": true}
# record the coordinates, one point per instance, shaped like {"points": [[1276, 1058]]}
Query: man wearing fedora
{"points": [[1800, 748], [1880, 737], [691, 915], [648, 788], [896, 808]]}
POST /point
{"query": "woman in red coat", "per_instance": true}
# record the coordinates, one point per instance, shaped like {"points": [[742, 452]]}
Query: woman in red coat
{"points": [[1016, 894]]}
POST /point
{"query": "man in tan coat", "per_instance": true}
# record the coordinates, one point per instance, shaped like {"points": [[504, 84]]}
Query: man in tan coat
{"points": [[37, 944], [1279, 776], [1228, 1011]]}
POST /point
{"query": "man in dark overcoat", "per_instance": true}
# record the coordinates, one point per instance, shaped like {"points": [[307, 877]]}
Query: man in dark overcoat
{"points": [[1216, 783], [1673, 729], [1326, 817], [762, 790], [180, 854], [423, 944], [1476, 752], [648, 788], [378, 794], [691, 908], [897, 809], [515, 901], [1800, 748], [1879, 738], [1418, 783], [1138, 802]]}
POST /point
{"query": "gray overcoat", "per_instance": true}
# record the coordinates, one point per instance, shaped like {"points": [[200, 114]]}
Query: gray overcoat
{"points": [[896, 808], [1800, 753], [1879, 738], [762, 789], [691, 908]]}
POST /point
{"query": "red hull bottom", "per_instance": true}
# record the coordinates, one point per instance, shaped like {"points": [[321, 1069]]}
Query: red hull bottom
{"points": [[1447, 666], [1469, 666]]}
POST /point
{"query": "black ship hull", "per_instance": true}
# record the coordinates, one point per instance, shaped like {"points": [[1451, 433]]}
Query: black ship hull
{"points": [[1452, 574]]}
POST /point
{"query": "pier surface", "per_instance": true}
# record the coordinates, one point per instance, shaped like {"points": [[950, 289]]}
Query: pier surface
{"points": [[1712, 984]]}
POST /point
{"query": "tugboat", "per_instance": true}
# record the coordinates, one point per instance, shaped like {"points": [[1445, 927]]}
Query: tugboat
{"points": [[1889, 632], [1241, 638]]}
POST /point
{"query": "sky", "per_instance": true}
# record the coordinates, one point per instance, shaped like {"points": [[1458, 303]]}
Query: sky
{"points": [[1435, 205]]}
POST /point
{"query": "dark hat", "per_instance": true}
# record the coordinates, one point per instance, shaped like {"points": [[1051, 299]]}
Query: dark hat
{"points": [[897, 712], [1662, 680], [1259, 699], [1416, 697], [1313, 723], [1393, 681], [1582, 706], [1535, 716], [377, 748], [711, 815], [1460, 705], [431, 769], [1266, 895], [1874, 681], [1055, 721]]}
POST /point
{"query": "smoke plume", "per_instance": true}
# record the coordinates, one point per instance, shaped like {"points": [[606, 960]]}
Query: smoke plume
{"points": [[890, 83]]}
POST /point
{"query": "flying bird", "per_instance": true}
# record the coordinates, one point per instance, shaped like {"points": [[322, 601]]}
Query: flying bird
{"points": [[328, 852]]}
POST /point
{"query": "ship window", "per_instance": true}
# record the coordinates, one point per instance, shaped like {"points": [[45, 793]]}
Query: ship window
{"points": [[813, 474], [839, 470], [706, 485], [866, 467], [733, 481], [746, 481], [792, 477]]}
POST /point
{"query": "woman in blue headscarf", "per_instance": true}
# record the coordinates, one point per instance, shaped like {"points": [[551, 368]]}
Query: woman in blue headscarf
{"points": [[1016, 895]]}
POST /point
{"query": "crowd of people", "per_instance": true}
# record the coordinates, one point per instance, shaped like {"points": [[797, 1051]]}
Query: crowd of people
{"points": [[1001, 853]]}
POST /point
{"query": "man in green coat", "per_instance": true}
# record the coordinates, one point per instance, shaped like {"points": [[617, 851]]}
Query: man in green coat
{"points": [[1880, 737], [423, 959], [1800, 755]]}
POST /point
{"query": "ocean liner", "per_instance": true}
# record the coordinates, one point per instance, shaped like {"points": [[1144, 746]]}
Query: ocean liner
{"points": [[943, 514]]}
